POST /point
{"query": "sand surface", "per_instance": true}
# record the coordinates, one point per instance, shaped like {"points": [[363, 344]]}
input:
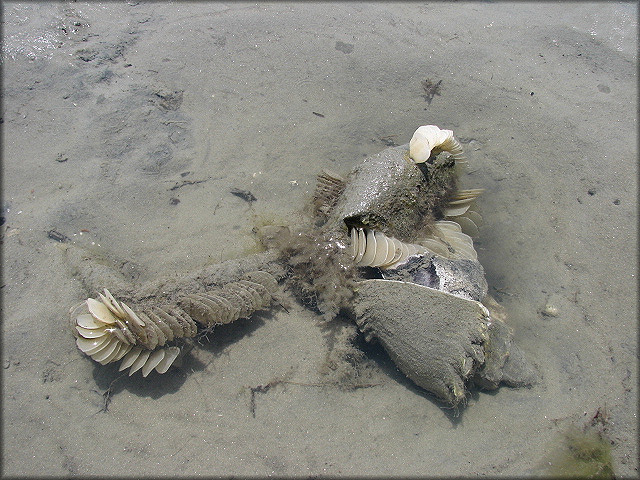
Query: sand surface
{"points": [[126, 125]]}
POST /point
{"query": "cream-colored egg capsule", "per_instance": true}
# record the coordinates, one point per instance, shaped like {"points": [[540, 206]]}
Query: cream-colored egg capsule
{"points": [[108, 330], [374, 249], [430, 139]]}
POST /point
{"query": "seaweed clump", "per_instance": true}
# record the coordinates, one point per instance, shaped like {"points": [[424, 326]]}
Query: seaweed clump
{"points": [[585, 454], [344, 363], [320, 270]]}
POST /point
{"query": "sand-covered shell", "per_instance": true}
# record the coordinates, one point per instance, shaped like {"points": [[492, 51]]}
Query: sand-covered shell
{"points": [[430, 140], [389, 193], [442, 342], [436, 339]]}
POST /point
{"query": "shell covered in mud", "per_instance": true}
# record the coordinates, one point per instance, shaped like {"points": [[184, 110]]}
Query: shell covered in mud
{"points": [[405, 215], [389, 193], [435, 338], [442, 342]]}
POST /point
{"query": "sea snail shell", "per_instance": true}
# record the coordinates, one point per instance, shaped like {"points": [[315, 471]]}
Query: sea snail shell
{"points": [[430, 140]]}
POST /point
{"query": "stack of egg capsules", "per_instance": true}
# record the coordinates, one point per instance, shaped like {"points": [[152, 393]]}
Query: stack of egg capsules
{"points": [[108, 330]]}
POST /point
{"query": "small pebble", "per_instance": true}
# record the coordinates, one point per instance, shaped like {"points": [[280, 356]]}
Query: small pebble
{"points": [[550, 310]]}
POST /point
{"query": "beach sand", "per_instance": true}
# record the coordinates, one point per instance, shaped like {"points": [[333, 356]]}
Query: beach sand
{"points": [[125, 127]]}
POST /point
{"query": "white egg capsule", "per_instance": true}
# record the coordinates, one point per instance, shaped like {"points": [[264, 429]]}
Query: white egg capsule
{"points": [[430, 139]]}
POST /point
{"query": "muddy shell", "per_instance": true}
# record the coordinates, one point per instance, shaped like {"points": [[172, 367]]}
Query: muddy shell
{"points": [[390, 193], [436, 339], [426, 313]]}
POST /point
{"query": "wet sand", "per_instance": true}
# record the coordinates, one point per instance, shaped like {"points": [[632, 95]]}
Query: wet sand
{"points": [[126, 125]]}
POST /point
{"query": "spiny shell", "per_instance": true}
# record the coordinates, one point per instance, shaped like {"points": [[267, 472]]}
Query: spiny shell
{"points": [[436, 339]]}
